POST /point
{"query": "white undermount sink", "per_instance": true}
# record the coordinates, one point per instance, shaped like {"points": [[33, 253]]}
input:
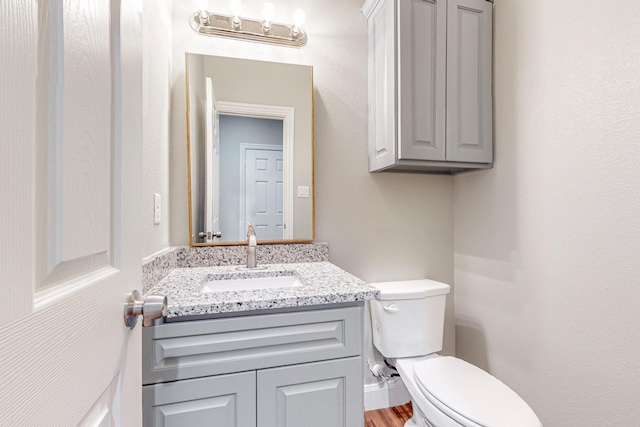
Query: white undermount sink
{"points": [[252, 283]]}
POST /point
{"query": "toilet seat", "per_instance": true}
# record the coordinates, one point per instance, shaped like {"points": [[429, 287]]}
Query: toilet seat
{"points": [[471, 396]]}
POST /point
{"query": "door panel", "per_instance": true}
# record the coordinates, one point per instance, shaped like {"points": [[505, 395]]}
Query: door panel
{"points": [[469, 106], [222, 401], [382, 86], [216, 411], [264, 208], [322, 394], [75, 158], [422, 70], [84, 143], [18, 34]]}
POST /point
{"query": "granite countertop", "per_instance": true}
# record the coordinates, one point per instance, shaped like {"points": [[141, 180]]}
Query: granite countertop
{"points": [[322, 283]]}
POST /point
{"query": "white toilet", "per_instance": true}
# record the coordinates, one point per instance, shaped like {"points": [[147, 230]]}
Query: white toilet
{"points": [[408, 322]]}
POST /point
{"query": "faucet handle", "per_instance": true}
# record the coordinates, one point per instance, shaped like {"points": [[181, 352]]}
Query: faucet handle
{"points": [[251, 235]]}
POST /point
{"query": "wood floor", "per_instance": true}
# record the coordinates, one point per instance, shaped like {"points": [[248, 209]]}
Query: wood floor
{"points": [[388, 417]]}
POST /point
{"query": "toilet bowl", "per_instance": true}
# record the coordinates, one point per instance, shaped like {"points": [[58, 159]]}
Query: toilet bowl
{"points": [[407, 323]]}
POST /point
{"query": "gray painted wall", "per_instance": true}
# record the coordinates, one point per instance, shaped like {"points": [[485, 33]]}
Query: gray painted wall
{"points": [[547, 244], [156, 83]]}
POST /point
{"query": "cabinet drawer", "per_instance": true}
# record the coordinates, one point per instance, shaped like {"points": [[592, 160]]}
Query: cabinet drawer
{"points": [[210, 347]]}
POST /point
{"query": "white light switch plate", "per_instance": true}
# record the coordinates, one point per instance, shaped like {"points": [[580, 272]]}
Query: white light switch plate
{"points": [[303, 191], [157, 208]]}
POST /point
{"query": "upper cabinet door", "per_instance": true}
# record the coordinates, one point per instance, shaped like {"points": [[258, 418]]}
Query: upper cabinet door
{"points": [[382, 86], [422, 72], [469, 109]]}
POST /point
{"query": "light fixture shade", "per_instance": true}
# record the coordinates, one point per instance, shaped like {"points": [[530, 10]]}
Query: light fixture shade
{"points": [[202, 4], [239, 27], [268, 11], [298, 17]]}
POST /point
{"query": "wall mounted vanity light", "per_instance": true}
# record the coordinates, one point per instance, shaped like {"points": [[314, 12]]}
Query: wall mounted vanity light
{"points": [[258, 30]]}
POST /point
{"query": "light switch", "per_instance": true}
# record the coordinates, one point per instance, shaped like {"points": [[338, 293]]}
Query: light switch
{"points": [[303, 191], [157, 208]]}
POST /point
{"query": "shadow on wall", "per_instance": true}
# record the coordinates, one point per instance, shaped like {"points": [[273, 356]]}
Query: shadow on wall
{"points": [[472, 334]]}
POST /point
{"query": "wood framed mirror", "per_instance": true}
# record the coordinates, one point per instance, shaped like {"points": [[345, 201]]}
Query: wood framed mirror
{"points": [[249, 150]]}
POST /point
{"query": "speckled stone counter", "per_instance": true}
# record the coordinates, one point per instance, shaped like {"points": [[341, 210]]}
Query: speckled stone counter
{"points": [[156, 267], [322, 283], [210, 256]]}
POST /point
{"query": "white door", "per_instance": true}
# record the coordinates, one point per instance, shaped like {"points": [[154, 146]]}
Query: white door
{"points": [[70, 180], [264, 192]]}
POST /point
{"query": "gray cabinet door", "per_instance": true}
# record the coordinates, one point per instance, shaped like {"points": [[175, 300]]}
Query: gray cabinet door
{"points": [[322, 394], [382, 86], [222, 401], [469, 109], [422, 65]]}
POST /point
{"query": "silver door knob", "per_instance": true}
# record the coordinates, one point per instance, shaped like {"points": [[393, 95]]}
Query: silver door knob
{"points": [[151, 308]]}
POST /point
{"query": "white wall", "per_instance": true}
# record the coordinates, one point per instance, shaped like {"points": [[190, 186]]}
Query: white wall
{"points": [[547, 244], [156, 27], [379, 226]]}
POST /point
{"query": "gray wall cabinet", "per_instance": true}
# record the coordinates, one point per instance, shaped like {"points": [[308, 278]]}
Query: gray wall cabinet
{"points": [[283, 369], [430, 92]]}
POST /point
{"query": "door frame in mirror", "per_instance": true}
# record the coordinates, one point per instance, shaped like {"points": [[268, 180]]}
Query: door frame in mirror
{"points": [[308, 169], [287, 115]]}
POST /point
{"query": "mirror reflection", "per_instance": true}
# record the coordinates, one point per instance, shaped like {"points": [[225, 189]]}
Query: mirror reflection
{"points": [[250, 150]]}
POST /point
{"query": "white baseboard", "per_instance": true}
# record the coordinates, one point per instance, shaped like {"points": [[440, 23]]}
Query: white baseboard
{"points": [[385, 395]]}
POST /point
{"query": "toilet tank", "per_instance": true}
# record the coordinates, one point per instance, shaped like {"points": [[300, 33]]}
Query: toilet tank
{"points": [[408, 318]]}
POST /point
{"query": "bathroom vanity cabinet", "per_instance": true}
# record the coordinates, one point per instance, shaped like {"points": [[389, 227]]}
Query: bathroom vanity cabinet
{"points": [[291, 368], [430, 91]]}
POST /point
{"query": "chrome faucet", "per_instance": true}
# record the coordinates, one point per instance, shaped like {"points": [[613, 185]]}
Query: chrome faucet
{"points": [[251, 246]]}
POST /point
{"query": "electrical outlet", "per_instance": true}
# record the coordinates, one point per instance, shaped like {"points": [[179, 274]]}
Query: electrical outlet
{"points": [[303, 191], [157, 208]]}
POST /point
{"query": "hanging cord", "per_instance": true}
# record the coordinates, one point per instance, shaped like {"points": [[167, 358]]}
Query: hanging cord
{"points": [[390, 366], [378, 371]]}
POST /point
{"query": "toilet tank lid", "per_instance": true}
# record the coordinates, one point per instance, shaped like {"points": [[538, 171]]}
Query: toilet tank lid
{"points": [[410, 289]]}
